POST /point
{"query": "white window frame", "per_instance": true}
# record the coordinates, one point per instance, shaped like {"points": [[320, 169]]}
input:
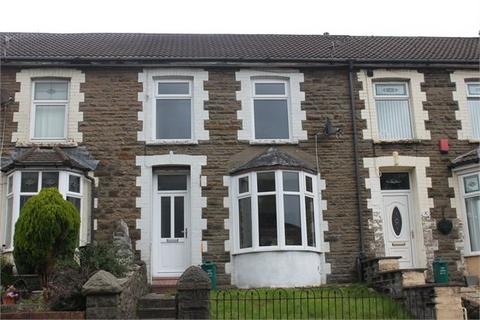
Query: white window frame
{"points": [[174, 96], [284, 97], [472, 97], [405, 97], [279, 192], [63, 183], [78, 195], [148, 78], [9, 195], [247, 78], [460, 95], [418, 114], [59, 103], [463, 196]]}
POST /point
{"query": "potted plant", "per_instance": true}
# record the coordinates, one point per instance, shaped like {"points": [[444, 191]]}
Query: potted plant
{"points": [[10, 296]]}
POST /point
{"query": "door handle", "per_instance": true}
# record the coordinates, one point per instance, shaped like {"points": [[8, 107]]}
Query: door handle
{"points": [[185, 233]]}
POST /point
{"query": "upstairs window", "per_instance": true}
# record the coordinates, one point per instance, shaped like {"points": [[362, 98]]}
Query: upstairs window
{"points": [[393, 111], [276, 210], [50, 101], [473, 102], [270, 104], [173, 110]]}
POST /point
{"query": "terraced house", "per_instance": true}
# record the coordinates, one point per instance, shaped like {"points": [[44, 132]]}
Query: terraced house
{"points": [[285, 159]]}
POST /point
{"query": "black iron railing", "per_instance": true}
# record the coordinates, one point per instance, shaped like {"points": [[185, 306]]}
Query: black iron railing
{"points": [[314, 303]]}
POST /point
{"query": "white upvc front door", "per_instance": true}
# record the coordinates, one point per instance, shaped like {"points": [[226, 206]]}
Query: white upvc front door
{"points": [[171, 217], [397, 227]]}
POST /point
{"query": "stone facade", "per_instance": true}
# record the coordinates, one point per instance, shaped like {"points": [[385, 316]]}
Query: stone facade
{"points": [[110, 128]]}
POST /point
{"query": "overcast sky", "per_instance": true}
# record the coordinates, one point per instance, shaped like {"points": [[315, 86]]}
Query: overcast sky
{"points": [[360, 17]]}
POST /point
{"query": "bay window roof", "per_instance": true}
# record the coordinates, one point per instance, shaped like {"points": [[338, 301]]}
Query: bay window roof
{"points": [[56, 157], [470, 157], [274, 158]]}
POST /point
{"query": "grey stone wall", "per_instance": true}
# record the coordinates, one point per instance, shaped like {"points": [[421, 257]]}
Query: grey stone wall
{"points": [[111, 298], [193, 294]]}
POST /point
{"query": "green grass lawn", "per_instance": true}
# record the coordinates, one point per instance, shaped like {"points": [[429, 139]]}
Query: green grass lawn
{"points": [[338, 302]]}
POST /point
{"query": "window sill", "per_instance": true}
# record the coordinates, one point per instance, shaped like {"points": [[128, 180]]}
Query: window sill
{"points": [[270, 249], [474, 141], [172, 142], [471, 255], [46, 143], [387, 142], [273, 141], [7, 250]]}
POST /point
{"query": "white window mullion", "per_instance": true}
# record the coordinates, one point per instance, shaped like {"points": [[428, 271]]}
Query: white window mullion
{"points": [[303, 216], [235, 227], [63, 183], [316, 212], [16, 201], [280, 209], [254, 201], [172, 216]]}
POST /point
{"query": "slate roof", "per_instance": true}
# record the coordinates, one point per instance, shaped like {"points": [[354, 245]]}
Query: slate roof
{"points": [[470, 157], [238, 47], [76, 158], [273, 158]]}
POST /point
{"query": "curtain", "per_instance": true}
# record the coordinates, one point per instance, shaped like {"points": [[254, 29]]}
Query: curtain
{"points": [[473, 220], [49, 121], [394, 119], [474, 106]]}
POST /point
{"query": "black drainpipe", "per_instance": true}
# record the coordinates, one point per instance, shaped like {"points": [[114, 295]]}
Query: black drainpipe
{"points": [[357, 170]]}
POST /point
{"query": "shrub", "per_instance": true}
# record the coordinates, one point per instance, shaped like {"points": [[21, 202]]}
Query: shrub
{"points": [[47, 230], [6, 268], [64, 288], [101, 256]]}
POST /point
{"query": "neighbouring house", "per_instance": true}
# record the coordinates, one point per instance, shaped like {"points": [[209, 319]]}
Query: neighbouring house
{"points": [[284, 159]]}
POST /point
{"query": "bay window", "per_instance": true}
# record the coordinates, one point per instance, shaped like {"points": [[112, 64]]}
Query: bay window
{"points": [[393, 110], [22, 185], [275, 210], [470, 186], [50, 101]]}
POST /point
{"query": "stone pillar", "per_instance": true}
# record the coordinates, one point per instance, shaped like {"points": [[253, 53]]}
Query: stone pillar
{"points": [[448, 303], [102, 293], [193, 294]]}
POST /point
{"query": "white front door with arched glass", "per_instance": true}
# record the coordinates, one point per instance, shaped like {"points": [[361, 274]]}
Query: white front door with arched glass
{"points": [[397, 219], [171, 216]]}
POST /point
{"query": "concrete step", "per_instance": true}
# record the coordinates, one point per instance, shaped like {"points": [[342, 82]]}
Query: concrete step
{"points": [[157, 313], [164, 285], [156, 300]]}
